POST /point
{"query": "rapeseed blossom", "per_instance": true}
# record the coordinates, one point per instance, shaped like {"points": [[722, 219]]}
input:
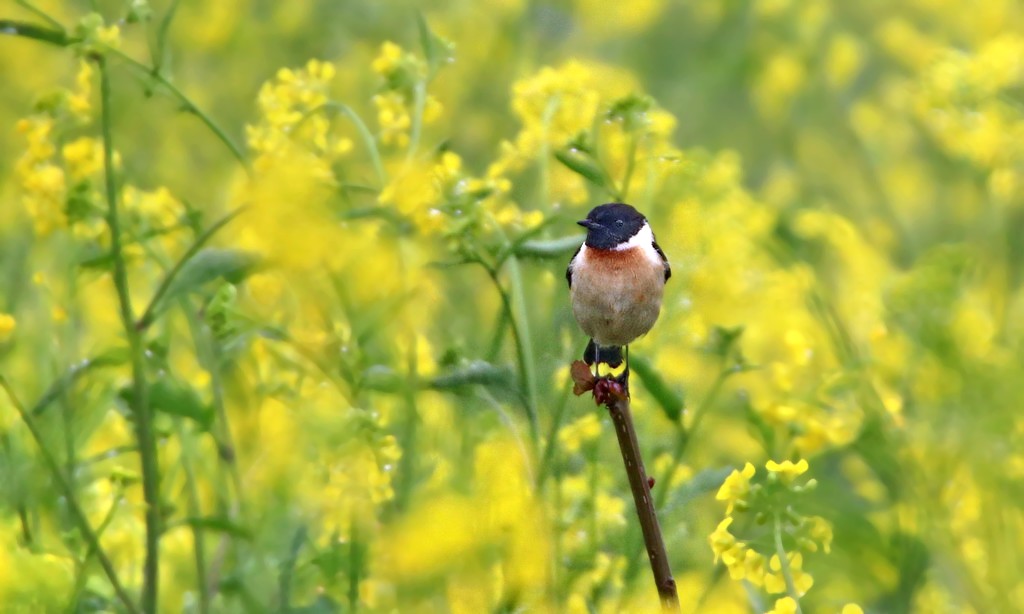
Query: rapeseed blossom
{"points": [[345, 277]]}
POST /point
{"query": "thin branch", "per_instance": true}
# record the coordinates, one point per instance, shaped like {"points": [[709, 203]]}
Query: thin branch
{"points": [[43, 34], [148, 315], [139, 401], [28, 6], [612, 392], [77, 514], [787, 573], [186, 102], [618, 408]]}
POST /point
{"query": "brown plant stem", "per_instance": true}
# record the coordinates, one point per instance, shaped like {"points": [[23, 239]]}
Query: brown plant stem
{"points": [[618, 408], [613, 393]]}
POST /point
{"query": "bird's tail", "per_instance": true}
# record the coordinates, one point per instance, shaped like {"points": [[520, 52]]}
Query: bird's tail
{"points": [[608, 354]]}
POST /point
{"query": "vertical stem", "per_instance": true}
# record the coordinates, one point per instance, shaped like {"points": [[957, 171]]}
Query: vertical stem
{"points": [[406, 478], [419, 104], [787, 574], [139, 401], [519, 313], [630, 166], [79, 517], [523, 350], [355, 566], [195, 510], [631, 457]]}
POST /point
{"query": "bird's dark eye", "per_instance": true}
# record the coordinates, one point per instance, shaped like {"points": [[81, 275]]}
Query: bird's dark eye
{"points": [[620, 223]]}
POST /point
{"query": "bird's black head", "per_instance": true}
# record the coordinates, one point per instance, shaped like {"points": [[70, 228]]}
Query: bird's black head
{"points": [[612, 224]]}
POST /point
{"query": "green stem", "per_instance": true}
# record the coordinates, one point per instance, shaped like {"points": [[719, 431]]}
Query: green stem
{"points": [[77, 514], [550, 445], [686, 435], [161, 35], [407, 463], [139, 402], [187, 103], [35, 32], [366, 136], [419, 103], [83, 576], [787, 574], [28, 6], [522, 352], [526, 342], [544, 185], [148, 315], [194, 510], [630, 165]]}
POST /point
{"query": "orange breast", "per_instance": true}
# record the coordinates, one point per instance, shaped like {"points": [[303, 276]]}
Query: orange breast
{"points": [[616, 295]]}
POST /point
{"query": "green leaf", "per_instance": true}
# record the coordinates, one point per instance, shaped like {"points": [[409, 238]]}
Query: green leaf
{"points": [[670, 401], [288, 568], [585, 167], [549, 248], [208, 265], [39, 33], [476, 373], [176, 398], [110, 358], [321, 605], [218, 524], [436, 50], [704, 482]]}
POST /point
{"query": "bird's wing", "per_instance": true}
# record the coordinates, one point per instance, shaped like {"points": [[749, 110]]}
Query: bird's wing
{"points": [[568, 269], [664, 261]]}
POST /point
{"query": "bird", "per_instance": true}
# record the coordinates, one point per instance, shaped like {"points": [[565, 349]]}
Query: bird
{"points": [[616, 282]]}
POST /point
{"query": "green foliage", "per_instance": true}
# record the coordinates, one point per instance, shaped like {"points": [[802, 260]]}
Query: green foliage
{"points": [[283, 324]]}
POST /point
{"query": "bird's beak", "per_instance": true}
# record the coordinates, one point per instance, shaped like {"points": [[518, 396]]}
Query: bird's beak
{"points": [[586, 224]]}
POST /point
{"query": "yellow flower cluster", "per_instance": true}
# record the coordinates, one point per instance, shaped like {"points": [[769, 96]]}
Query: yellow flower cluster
{"points": [[782, 570], [405, 77], [294, 117], [843, 224], [7, 326], [42, 180], [95, 36], [591, 111]]}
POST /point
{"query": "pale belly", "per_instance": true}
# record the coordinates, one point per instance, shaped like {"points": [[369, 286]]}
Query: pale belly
{"points": [[620, 306]]}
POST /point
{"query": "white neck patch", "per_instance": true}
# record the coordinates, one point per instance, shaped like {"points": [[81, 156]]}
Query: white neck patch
{"points": [[644, 241], [644, 236]]}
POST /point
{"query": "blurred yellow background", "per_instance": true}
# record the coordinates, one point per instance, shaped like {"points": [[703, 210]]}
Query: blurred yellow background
{"points": [[343, 228]]}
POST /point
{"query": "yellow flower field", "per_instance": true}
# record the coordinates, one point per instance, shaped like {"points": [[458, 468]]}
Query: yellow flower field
{"points": [[283, 325]]}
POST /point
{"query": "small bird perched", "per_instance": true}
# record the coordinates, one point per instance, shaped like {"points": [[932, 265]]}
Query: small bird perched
{"points": [[616, 281]]}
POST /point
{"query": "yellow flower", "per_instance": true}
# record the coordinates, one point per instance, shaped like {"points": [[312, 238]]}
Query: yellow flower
{"points": [[7, 326], [291, 109], [843, 60], [83, 157], [421, 189], [80, 100], [736, 487], [724, 544], [852, 608], [786, 605], [109, 36], [616, 19], [393, 118], [388, 60], [821, 530], [778, 84], [775, 581], [573, 436], [787, 470]]}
